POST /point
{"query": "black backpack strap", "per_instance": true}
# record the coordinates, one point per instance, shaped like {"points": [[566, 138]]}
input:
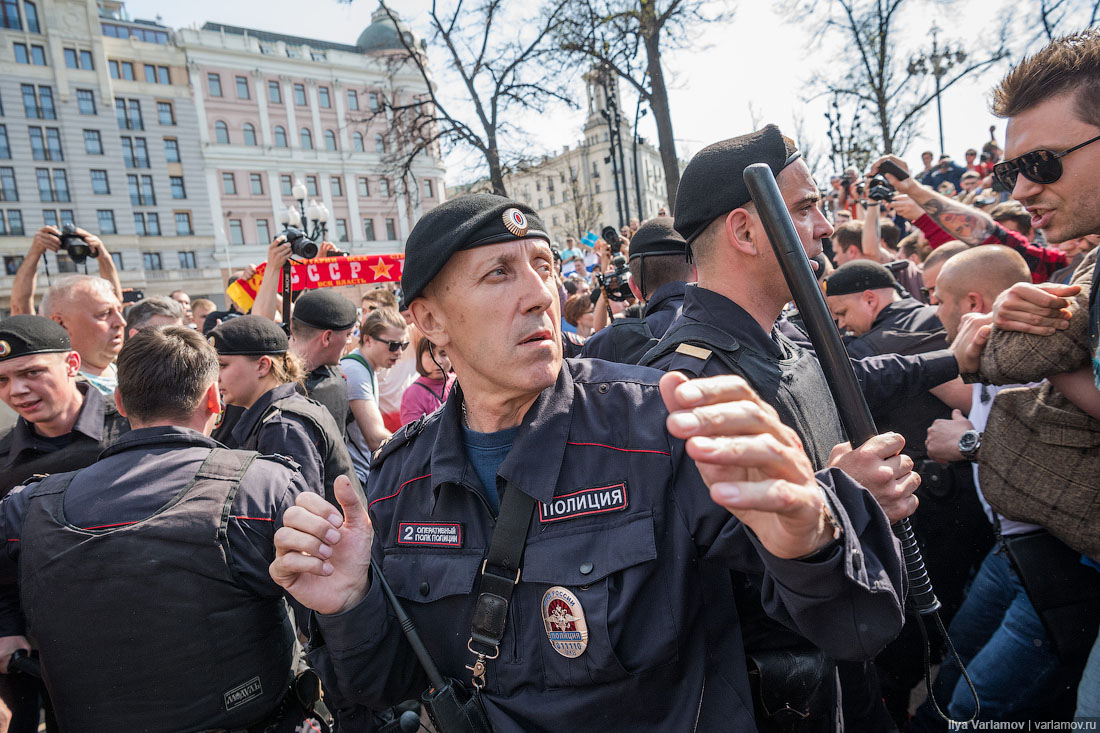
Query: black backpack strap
{"points": [[500, 573]]}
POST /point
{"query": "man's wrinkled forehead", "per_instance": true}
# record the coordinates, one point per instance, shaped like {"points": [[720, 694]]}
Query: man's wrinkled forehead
{"points": [[12, 367], [467, 262]]}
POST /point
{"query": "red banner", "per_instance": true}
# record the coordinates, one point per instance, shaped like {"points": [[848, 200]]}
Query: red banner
{"points": [[324, 272]]}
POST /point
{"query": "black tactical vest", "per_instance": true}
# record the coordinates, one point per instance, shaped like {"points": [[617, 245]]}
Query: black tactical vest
{"points": [[326, 384], [334, 454], [143, 627], [794, 384]]}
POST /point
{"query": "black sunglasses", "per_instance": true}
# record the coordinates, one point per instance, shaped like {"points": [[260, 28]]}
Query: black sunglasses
{"points": [[394, 345], [1039, 166]]}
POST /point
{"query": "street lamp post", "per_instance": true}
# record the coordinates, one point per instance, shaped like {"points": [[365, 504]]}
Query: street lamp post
{"points": [[938, 63]]}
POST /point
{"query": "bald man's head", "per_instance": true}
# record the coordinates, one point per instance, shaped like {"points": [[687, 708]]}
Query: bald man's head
{"points": [[930, 270], [970, 281]]}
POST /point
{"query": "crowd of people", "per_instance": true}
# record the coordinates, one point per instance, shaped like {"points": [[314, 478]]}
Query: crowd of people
{"points": [[534, 486]]}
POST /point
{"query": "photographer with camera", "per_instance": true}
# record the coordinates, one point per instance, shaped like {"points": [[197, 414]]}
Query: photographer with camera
{"points": [[78, 244], [612, 278]]}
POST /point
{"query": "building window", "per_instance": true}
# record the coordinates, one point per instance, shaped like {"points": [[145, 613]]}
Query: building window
{"points": [[151, 261], [165, 114], [147, 225], [330, 140], [163, 76], [318, 55], [38, 102], [188, 260], [12, 263], [249, 134], [274, 92], [55, 218], [183, 224], [100, 184], [229, 184], [117, 258], [128, 113], [93, 143], [64, 264], [11, 224], [171, 150], [307, 139], [286, 185], [372, 101], [175, 183], [341, 230], [353, 104], [428, 192], [263, 235], [280, 136], [357, 142], [214, 83], [8, 190], [236, 232], [311, 186], [364, 187], [135, 152], [379, 143], [337, 186], [78, 59], [368, 229], [32, 16], [242, 88], [391, 231], [85, 101], [323, 98], [106, 218], [9, 15], [30, 55], [46, 143], [300, 95], [141, 191], [256, 184], [5, 149], [53, 184], [221, 132], [384, 187]]}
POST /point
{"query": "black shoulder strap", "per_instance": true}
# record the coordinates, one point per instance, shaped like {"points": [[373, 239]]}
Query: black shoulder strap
{"points": [[500, 573], [721, 344]]}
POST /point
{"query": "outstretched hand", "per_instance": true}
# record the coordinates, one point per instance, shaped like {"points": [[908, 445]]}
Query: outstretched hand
{"points": [[1037, 309], [753, 464], [321, 558]]}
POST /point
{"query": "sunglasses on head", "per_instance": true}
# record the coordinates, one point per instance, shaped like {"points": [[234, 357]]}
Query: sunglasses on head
{"points": [[394, 345], [1038, 166]]}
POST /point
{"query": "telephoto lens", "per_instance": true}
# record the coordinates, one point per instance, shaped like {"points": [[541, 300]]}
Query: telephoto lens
{"points": [[301, 246], [74, 244]]}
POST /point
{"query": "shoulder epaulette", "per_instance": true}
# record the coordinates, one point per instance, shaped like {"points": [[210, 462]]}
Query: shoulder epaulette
{"points": [[395, 441], [285, 460]]}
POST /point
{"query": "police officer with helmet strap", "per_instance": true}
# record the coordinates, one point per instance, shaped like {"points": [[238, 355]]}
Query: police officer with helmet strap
{"points": [[603, 597], [143, 577]]}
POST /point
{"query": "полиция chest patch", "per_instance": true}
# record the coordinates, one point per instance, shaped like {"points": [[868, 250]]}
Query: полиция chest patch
{"points": [[584, 503]]}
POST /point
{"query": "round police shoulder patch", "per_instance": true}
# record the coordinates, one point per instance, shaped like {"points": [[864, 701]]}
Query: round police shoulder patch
{"points": [[563, 618], [515, 222]]}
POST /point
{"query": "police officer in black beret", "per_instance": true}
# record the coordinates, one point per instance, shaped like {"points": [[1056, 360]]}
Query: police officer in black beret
{"points": [[63, 425], [143, 578], [544, 530], [659, 274], [259, 374], [319, 329]]}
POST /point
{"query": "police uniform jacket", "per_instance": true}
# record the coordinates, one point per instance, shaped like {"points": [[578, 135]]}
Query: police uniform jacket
{"points": [[147, 475], [660, 311], [24, 453], [622, 520]]}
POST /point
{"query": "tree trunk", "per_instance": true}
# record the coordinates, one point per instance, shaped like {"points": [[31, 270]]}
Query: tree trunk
{"points": [[496, 175], [658, 102]]}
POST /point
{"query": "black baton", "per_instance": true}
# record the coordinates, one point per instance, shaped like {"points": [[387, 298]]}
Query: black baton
{"points": [[855, 416]]}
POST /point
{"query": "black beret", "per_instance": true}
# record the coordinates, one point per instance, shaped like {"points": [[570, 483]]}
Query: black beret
{"points": [[712, 183], [26, 335], [857, 276], [465, 222], [325, 309], [657, 237], [250, 336]]}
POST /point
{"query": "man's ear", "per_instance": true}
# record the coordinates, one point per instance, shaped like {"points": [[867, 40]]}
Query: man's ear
{"points": [[975, 303], [213, 398], [738, 228], [118, 403], [72, 364], [430, 320]]}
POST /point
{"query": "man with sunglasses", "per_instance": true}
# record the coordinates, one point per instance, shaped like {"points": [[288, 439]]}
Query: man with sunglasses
{"points": [[969, 224]]}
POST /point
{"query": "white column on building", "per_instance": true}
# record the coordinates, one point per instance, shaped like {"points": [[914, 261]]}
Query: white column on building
{"points": [[261, 97], [200, 106], [291, 114], [355, 223], [213, 189], [315, 112], [340, 91], [276, 194]]}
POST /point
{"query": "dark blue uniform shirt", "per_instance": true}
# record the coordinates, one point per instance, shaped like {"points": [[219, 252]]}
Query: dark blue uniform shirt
{"points": [[283, 434], [623, 521], [660, 311]]}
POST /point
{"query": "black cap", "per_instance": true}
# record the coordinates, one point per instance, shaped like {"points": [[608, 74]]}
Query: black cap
{"points": [[857, 276], [26, 335], [712, 183], [657, 237], [249, 336], [462, 223], [325, 309]]}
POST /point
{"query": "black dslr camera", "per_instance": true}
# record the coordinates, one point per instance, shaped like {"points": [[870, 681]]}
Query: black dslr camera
{"points": [[615, 282], [74, 244], [301, 246], [880, 190]]}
